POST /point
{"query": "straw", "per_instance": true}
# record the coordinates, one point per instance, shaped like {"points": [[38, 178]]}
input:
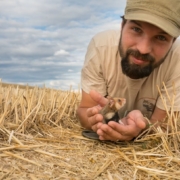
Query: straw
{"points": [[40, 138]]}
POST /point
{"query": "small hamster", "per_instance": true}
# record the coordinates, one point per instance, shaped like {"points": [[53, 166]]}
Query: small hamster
{"points": [[110, 110]]}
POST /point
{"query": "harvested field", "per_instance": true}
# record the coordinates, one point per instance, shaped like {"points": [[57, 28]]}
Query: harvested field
{"points": [[40, 138]]}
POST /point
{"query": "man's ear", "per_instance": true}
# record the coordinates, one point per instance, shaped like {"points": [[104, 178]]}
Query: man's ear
{"points": [[174, 40], [123, 23]]}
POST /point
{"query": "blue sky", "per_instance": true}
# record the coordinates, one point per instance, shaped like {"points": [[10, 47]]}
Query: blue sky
{"points": [[43, 42]]}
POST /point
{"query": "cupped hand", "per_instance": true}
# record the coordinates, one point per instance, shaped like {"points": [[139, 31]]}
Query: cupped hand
{"points": [[131, 126], [94, 118]]}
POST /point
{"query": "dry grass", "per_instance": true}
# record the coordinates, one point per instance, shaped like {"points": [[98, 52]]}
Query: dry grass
{"points": [[40, 138]]}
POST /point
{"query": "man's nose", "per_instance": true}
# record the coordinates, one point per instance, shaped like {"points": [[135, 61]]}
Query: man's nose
{"points": [[144, 45]]}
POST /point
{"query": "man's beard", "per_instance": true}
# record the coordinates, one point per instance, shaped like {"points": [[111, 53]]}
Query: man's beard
{"points": [[135, 71]]}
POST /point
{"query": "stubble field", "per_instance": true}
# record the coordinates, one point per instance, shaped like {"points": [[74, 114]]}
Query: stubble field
{"points": [[40, 138]]}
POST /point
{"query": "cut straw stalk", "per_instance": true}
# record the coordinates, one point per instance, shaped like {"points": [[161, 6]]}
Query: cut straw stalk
{"points": [[36, 107], [14, 138], [65, 106], [174, 175], [5, 176], [40, 104], [21, 147], [22, 158], [109, 175], [164, 102], [33, 177], [165, 142], [50, 154], [126, 158], [102, 169]]}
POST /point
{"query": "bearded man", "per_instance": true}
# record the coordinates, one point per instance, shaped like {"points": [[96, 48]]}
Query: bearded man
{"points": [[130, 64]]}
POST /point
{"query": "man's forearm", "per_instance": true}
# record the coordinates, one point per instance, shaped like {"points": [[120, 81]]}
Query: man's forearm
{"points": [[82, 116]]}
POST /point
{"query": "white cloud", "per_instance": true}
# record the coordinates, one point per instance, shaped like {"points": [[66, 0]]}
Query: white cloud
{"points": [[62, 84], [61, 52]]}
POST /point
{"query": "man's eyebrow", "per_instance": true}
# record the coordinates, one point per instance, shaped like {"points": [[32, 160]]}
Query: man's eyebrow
{"points": [[135, 22]]}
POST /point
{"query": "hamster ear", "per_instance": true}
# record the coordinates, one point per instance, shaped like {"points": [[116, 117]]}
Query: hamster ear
{"points": [[111, 103], [108, 97]]}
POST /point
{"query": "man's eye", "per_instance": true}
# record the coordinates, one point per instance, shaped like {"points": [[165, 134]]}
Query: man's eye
{"points": [[136, 29], [161, 38]]}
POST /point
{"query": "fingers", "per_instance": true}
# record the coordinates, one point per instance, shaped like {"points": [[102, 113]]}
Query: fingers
{"points": [[94, 127], [105, 132], [131, 129], [141, 123], [138, 118], [93, 117], [94, 110], [98, 98]]}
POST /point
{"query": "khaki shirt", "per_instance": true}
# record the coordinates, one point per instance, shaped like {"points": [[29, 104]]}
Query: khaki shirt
{"points": [[102, 72]]}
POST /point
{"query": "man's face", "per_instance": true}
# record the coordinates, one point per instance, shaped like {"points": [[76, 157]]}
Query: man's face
{"points": [[142, 47]]}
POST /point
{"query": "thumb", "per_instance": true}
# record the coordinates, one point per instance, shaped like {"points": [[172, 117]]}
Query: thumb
{"points": [[141, 123], [97, 97]]}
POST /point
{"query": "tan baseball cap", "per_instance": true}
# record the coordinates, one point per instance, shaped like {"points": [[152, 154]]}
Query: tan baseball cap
{"points": [[164, 14]]}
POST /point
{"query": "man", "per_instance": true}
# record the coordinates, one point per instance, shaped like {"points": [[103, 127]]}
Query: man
{"points": [[131, 64]]}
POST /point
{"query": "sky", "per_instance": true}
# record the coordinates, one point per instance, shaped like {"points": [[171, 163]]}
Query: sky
{"points": [[44, 42]]}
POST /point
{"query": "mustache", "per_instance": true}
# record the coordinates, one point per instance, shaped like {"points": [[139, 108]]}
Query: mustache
{"points": [[138, 55]]}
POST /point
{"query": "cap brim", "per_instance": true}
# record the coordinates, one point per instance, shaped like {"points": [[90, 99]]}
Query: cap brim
{"points": [[162, 23]]}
